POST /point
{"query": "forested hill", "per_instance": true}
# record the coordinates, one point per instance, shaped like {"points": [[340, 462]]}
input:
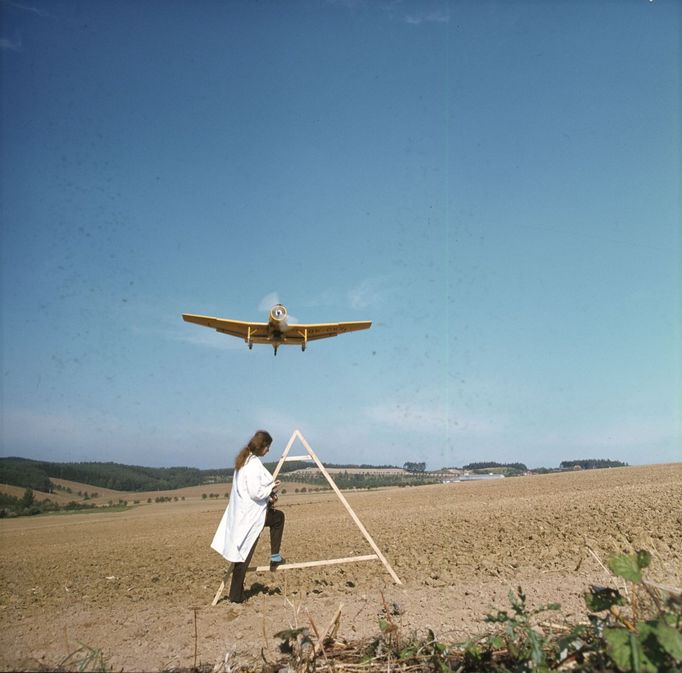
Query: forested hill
{"points": [[36, 474]]}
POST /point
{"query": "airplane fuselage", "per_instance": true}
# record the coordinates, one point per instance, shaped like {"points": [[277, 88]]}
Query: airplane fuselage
{"points": [[278, 320]]}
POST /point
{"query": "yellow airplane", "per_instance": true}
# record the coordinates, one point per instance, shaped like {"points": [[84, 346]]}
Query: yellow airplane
{"points": [[277, 330]]}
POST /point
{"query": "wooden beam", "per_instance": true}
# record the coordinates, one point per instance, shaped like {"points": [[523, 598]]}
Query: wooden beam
{"points": [[284, 456], [306, 457], [313, 564], [219, 593], [330, 631], [343, 500]]}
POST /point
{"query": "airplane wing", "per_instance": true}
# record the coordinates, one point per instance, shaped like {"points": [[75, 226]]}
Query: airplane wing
{"points": [[260, 332], [324, 330], [237, 328]]}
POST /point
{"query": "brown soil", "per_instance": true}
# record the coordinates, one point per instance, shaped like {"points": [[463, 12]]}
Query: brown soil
{"points": [[126, 583]]}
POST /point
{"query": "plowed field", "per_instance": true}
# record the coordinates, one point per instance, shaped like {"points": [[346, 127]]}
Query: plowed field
{"points": [[126, 583]]}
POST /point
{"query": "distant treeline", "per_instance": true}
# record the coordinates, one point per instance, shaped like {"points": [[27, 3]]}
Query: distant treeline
{"points": [[339, 466], [411, 466], [26, 473], [591, 463], [36, 474], [346, 480], [27, 505], [485, 466]]}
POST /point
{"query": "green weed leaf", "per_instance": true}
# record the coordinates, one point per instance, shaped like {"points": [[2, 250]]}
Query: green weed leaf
{"points": [[500, 617], [670, 640], [651, 646], [643, 558], [407, 652], [472, 649], [626, 566], [619, 648], [443, 666], [602, 598], [627, 651], [536, 642], [497, 642], [519, 606]]}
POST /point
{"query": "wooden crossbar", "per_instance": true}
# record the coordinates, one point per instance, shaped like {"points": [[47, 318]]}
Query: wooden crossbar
{"points": [[291, 566], [221, 588], [313, 564], [306, 457]]}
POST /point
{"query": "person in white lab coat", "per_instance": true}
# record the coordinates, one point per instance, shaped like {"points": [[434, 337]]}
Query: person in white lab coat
{"points": [[249, 509]]}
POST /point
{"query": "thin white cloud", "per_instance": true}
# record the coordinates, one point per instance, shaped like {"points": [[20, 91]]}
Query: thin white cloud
{"points": [[207, 337], [95, 435], [370, 292], [15, 43], [26, 8], [281, 425], [432, 419], [401, 11], [66, 433], [348, 4], [409, 417], [420, 17], [331, 441], [629, 434], [322, 298], [634, 441], [31, 426], [171, 326], [10, 45], [268, 301]]}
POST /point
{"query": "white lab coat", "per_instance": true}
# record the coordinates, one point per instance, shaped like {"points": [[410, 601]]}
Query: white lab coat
{"points": [[244, 516]]}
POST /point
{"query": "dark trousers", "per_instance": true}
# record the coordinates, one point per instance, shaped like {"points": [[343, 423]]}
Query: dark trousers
{"points": [[274, 520]]}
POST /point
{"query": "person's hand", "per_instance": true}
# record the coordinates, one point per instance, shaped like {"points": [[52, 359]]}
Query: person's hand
{"points": [[276, 484]]}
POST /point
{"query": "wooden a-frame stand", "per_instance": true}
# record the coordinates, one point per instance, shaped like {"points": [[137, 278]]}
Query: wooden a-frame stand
{"points": [[310, 455]]}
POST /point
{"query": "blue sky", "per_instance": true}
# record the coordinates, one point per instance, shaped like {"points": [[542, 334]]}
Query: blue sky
{"points": [[496, 185]]}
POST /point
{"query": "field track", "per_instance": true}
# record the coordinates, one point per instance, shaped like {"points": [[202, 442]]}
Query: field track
{"points": [[126, 582]]}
